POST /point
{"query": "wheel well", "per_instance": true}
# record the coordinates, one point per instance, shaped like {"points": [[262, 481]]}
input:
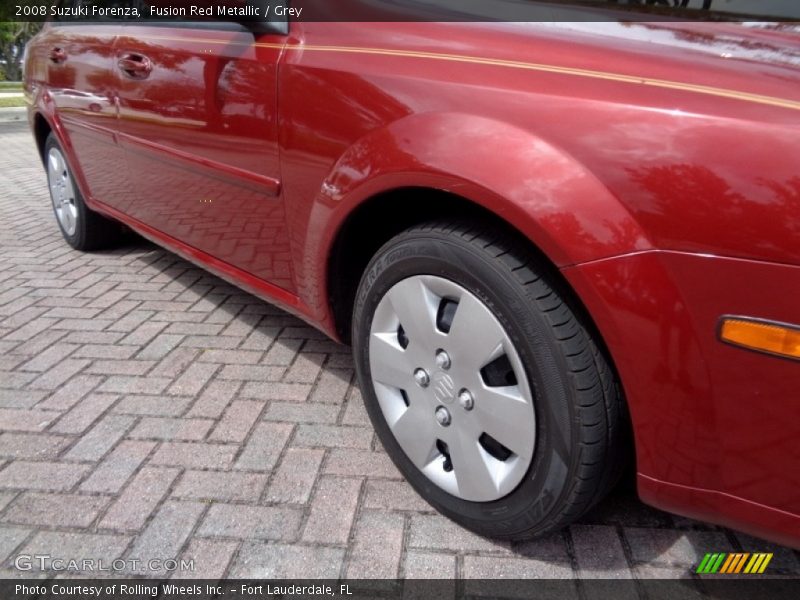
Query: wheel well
{"points": [[41, 129], [370, 226], [382, 217]]}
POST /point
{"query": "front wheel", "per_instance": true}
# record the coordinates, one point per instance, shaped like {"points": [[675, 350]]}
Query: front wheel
{"points": [[483, 385]]}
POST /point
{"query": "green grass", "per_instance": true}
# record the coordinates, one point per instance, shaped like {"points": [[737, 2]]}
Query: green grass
{"points": [[9, 102], [10, 86]]}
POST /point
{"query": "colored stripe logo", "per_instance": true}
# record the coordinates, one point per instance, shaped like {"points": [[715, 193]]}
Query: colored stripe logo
{"points": [[734, 563]]}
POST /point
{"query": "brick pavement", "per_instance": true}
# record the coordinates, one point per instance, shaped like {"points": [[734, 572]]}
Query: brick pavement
{"points": [[150, 410]]}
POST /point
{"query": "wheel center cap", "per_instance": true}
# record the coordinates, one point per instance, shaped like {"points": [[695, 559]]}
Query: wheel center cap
{"points": [[443, 387]]}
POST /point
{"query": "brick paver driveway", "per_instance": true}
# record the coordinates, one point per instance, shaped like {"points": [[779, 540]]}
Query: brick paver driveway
{"points": [[150, 410]]}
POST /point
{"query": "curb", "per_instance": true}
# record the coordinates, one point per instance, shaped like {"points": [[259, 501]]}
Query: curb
{"points": [[15, 113]]}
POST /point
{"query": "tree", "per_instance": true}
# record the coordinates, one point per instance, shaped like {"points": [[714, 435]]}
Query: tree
{"points": [[13, 37]]}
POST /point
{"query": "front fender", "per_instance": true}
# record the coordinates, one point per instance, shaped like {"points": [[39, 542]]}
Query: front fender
{"points": [[536, 187]]}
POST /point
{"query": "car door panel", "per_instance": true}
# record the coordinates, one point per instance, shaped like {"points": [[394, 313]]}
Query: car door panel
{"points": [[82, 86], [198, 122]]}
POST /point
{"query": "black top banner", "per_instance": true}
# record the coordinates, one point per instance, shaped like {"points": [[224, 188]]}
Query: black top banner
{"points": [[88, 11]]}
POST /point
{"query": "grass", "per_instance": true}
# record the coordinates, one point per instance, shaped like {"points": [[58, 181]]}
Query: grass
{"points": [[10, 102], [10, 86]]}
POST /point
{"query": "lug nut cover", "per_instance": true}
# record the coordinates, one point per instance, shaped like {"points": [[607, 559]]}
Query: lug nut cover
{"points": [[442, 359], [466, 400], [421, 377]]}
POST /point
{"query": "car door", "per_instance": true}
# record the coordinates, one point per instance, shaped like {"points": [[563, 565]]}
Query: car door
{"points": [[81, 84], [198, 123]]}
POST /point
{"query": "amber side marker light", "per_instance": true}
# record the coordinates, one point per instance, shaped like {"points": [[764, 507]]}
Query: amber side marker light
{"points": [[769, 337]]}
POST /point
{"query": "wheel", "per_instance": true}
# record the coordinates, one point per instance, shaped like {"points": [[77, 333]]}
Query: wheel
{"points": [[83, 228], [485, 388]]}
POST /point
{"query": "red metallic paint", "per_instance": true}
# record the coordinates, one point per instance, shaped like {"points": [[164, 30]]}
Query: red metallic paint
{"points": [[655, 164], [200, 139], [709, 419]]}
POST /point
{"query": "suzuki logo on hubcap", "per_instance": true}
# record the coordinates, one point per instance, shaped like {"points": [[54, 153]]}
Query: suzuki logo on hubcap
{"points": [[443, 387]]}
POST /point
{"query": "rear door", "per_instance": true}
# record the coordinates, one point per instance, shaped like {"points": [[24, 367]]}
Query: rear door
{"points": [[76, 64], [198, 122]]}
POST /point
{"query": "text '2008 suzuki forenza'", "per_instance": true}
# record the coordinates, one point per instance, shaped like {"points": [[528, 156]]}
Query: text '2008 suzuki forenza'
{"points": [[555, 247]]}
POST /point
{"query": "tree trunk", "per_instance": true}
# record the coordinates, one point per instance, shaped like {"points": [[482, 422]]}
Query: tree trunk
{"points": [[13, 68]]}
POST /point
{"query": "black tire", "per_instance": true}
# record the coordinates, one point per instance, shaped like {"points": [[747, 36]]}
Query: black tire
{"points": [[92, 231], [580, 432]]}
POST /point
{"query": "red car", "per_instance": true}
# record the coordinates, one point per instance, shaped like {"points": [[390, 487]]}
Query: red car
{"points": [[554, 247]]}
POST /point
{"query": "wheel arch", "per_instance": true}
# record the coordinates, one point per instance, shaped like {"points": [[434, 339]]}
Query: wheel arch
{"points": [[41, 129], [434, 165], [43, 122], [382, 216]]}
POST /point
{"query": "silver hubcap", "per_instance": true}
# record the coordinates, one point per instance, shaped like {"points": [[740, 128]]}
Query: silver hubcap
{"points": [[452, 388], [62, 191]]}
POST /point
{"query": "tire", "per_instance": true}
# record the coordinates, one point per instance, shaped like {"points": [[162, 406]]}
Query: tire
{"points": [[540, 435], [83, 228]]}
